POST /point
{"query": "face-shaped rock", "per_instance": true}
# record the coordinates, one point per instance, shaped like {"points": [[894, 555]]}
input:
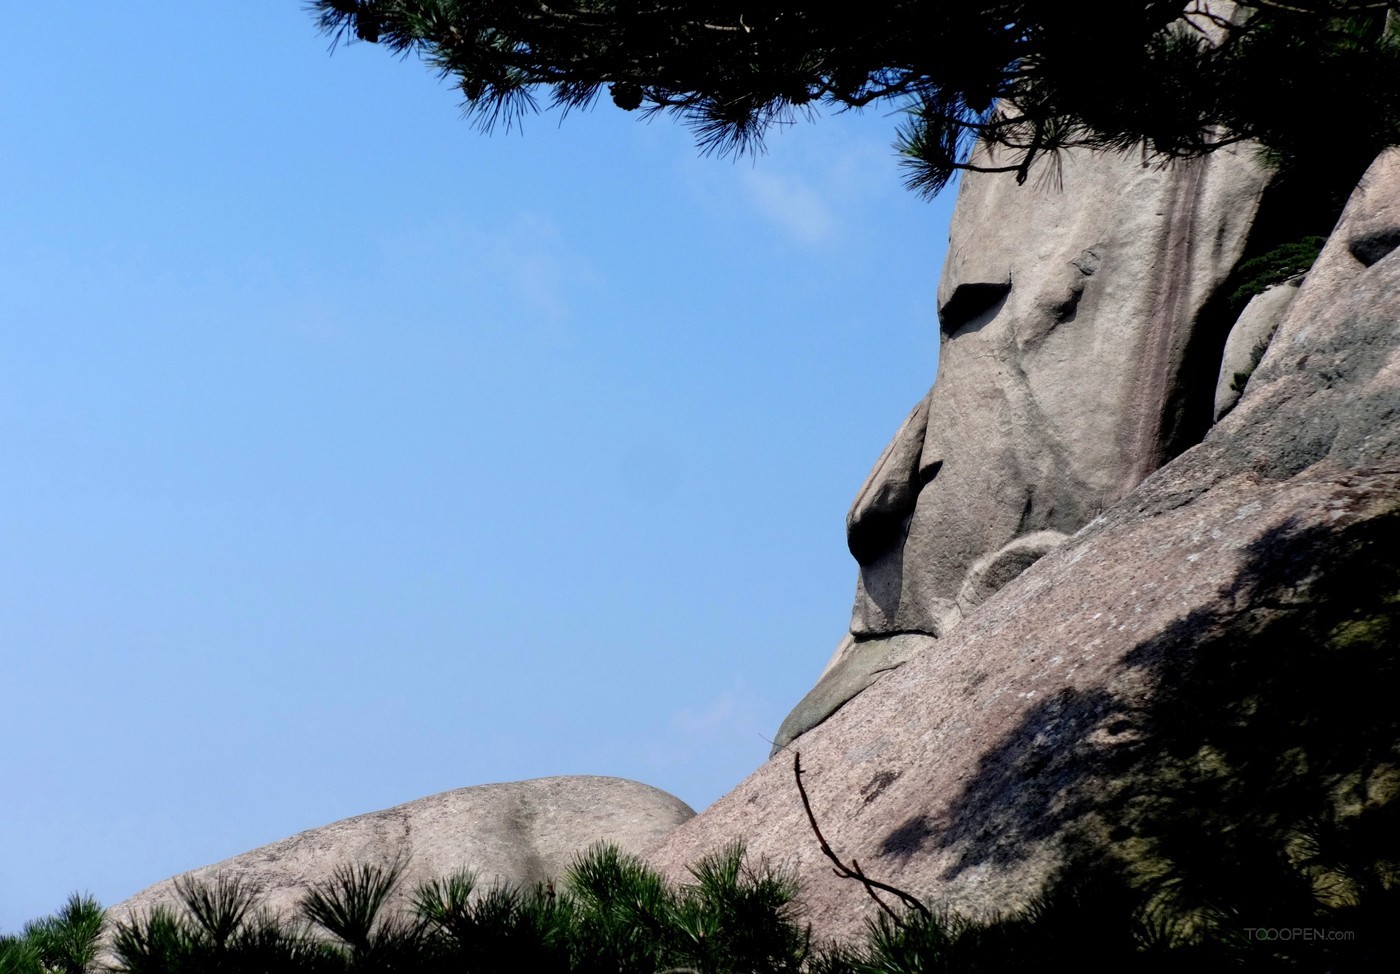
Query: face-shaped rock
{"points": [[1067, 305]]}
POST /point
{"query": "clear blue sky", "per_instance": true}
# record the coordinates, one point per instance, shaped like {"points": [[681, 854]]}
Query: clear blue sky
{"points": [[351, 456]]}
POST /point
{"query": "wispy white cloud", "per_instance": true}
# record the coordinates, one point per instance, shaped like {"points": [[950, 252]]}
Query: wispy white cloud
{"points": [[545, 273], [523, 266], [731, 721], [814, 184], [717, 718], [792, 203]]}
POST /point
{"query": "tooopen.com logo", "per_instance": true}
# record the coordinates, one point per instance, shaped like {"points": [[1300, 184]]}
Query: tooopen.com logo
{"points": [[1298, 933]]}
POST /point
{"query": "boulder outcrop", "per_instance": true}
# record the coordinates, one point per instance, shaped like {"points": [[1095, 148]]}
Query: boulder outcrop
{"points": [[519, 833], [1077, 637], [1068, 307], [1204, 673], [1248, 339]]}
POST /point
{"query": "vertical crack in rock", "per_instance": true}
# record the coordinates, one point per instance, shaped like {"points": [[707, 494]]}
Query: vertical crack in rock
{"points": [[1163, 338]]}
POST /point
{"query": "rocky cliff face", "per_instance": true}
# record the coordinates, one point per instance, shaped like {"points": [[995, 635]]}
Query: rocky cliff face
{"points": [[1071, 310], [1090, 627], [1201, 676]]}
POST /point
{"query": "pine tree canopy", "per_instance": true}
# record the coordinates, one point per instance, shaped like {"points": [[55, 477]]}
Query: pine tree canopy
{"points": [[1169, 78]]}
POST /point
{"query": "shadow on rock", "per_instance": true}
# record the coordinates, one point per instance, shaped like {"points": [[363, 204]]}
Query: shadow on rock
{"points": [[1253, 787]]}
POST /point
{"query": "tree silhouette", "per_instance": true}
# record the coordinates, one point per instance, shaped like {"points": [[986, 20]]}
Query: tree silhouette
{"points": [[1169, 78]]}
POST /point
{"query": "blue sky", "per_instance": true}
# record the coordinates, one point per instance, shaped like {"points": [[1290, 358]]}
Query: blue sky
{"points": [[353, 456]]}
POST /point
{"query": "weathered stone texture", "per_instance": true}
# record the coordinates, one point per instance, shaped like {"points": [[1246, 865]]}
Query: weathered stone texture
{"points": [[518, 832], [857, 665], [1067, 305], [1066, 308], [1198, 597], [1250, 334]]}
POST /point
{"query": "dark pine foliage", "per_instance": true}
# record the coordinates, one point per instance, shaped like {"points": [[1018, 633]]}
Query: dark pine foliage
{"points": [[616, 916], [1024, 77]]}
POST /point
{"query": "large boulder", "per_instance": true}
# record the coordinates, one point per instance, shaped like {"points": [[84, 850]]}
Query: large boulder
{"points": [[1066, 307], [1202, 678], [1069, 307], [518, 833], [1248, 339]]}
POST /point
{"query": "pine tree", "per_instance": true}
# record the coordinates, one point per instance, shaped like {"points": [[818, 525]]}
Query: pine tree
{"points": [[1169, 78]]}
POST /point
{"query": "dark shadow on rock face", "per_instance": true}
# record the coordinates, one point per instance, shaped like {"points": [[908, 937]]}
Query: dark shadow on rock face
{"points": [[1257, 785], [906, 841], [971, 306], [882, 578], [1269, 765], [1026, 791], [1300, 202], [1371, 248]]}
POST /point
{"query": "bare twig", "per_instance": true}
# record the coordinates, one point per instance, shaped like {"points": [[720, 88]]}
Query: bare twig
{"points": [[853, 871]]}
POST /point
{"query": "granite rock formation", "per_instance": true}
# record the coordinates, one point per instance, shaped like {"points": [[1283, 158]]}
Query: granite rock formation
{"points": [[519, 832], [1070, 309], [1217, 648], [1248, 339], [1086, 616]]}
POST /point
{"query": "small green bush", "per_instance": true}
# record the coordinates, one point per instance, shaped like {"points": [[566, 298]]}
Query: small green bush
{"points": [[1256, 355], [1281, 264], [65, 943], [614, 915]]}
